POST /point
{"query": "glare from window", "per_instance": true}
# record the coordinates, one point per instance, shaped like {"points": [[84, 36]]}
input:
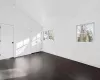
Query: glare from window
{"points": [[26, 41], [34, 39], [19, 44], [39, 35], [38, 40], [20, 50], [34, 43]]}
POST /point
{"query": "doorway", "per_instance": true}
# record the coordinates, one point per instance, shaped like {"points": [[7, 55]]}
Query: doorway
{"points": [[6, 41]]}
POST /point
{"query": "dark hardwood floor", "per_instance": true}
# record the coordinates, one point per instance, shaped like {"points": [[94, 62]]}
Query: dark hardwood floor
{"points": [[44, 66]]}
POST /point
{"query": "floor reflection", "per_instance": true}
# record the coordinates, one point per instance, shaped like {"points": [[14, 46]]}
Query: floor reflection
{"points": [[36, 64], [44, 66], [11, 73], [22, 64]]}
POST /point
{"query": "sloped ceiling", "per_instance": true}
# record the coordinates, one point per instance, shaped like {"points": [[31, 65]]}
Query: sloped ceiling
{"points": [[43, 10], [7, 3]]}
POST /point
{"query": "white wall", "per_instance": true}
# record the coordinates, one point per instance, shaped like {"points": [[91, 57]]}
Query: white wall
{"points": [[25, 28], [33, 8], [23, 24], [72, 13]]}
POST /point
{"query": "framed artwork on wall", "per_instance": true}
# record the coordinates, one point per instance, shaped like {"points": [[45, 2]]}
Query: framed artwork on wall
{"points": [[85, 32]]}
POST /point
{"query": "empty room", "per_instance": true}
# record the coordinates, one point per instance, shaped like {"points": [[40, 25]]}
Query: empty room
{"points": [[49, 40]]}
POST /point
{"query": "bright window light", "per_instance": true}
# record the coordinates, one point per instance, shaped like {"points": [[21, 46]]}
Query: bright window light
{"points": [[26, 41], [34, 43], [19, 44], [39, 35], [20, 50], [38, 40], [34, 38]]}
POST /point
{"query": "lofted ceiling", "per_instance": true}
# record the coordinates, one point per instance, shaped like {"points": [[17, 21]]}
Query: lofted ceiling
{"points": [[7, 3], [43, 10]]}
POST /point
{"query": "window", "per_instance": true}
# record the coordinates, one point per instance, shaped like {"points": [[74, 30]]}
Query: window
{"points": [[20, 46], [36, 39], [26, 41], [48, 35], [85, 32]]}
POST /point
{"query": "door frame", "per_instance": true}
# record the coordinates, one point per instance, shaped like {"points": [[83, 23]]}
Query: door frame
{"points": [[12, 36]]}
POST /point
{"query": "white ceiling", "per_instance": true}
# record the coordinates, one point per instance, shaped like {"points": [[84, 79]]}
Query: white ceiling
{"points": [[43, 10], [7, 2]]}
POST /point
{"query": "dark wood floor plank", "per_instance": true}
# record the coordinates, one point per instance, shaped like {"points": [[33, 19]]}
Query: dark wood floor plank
{"points": [[45, 66]]}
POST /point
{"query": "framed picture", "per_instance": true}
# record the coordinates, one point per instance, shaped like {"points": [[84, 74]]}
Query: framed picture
{"points": [[85, 32]]}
